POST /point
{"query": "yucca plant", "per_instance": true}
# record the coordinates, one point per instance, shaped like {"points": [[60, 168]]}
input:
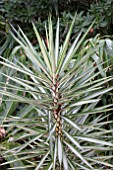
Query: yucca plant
{"points": [[66, 127]]}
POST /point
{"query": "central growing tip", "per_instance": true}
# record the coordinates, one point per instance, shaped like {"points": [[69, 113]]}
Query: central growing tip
{"points": [[57, 111]]}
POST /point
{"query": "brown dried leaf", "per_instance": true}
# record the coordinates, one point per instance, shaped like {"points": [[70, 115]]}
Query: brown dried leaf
{"points": [[2, 132]]}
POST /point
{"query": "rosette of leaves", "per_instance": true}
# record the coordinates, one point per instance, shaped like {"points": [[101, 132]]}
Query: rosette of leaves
{"points": [[67, 131]]}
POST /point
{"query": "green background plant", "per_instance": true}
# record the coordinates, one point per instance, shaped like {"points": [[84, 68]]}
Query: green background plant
{"points": [[20, 12]]}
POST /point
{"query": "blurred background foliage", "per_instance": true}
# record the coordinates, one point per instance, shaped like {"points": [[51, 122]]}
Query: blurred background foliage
{"points": [[22, 13]]}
